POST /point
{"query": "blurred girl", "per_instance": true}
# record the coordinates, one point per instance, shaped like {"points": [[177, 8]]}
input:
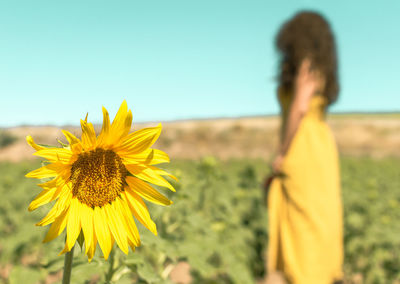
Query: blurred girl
{"points": [[305, 209]]}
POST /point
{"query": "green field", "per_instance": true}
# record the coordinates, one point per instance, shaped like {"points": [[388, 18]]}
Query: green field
{"points": [[218, 224]]}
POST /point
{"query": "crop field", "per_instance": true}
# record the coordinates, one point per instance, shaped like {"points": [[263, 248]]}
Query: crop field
{"points": [[217, 225]]}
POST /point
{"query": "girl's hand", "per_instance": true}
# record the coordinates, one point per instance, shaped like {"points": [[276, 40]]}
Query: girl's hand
{"points": [[277, 164]]}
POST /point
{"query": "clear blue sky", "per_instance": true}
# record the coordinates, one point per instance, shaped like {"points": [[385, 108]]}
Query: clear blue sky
{"points": [[179, 59]]}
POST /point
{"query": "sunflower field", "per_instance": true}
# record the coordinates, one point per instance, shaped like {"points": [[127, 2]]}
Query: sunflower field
{"points": [[217, 225]]}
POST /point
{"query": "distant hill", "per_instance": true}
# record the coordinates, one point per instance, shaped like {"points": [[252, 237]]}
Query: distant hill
{"points": [[375, 135]]}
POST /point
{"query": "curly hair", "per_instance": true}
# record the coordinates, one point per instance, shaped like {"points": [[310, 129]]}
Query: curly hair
{"points": [[308, 35]]}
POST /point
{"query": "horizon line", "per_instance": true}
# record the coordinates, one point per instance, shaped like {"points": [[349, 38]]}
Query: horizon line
{"points": [[366, 113]]}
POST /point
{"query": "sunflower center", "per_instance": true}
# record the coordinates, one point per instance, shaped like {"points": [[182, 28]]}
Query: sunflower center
{"points": [[98, 177]]}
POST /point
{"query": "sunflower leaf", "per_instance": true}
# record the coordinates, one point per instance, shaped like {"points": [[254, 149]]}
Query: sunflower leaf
{"points": [[62, 144], [45, 145]]}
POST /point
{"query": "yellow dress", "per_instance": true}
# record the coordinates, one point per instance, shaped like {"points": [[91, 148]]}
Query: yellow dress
{"points": [[305, 208]]}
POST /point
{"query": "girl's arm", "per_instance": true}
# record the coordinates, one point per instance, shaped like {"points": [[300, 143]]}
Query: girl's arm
{"points": [[305, 86]]}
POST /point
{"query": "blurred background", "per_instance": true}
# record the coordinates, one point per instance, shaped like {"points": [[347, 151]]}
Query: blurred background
{"points": [[206, 69]]}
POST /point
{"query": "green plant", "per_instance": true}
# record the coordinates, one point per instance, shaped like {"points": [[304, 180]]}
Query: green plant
{"points": [[222, 238], [6, 138]]}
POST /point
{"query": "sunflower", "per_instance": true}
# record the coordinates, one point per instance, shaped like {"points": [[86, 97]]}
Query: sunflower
{"points": [[99, 184]]}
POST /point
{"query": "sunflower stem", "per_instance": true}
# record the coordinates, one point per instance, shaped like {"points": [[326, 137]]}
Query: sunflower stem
{"points": [[68, 266], [111, 271]]}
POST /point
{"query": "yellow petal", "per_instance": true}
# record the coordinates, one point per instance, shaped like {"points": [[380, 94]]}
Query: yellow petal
{"points": [[162, 173], [46, 196], [149, 175], [71, 137], [52, 183], [92, 248], [147, 157], [50, 170], [102, 231], [146, 191], [132, 231], [87, 224], [106, 121], [55, 154], [62, 204], [88, 135], [127, 124], [74, 224], [140, 140], [105, 129], [35, 146], [117, 227], [121, 124], [139, 210], [57, 227], [120, 116], [132, 245], [76, 145]]}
